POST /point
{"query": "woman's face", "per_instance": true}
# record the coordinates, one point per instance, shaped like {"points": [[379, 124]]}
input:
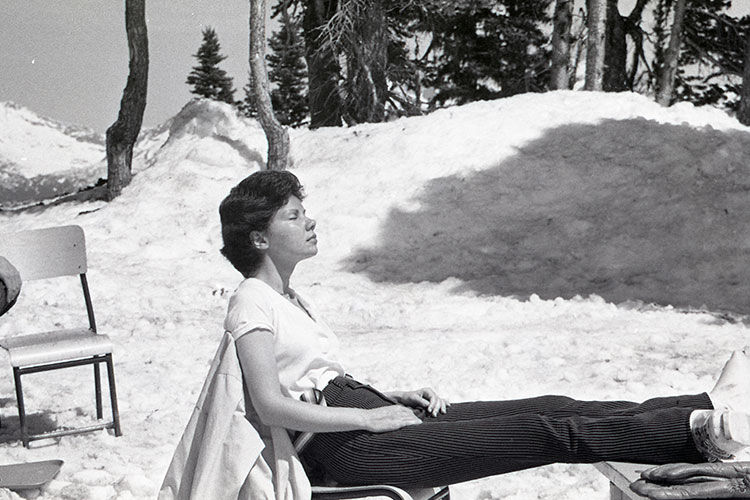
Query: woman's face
{"points": [[291, 235]]}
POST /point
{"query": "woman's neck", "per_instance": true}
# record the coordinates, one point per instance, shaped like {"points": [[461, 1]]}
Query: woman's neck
{"points": [[276, 278]]}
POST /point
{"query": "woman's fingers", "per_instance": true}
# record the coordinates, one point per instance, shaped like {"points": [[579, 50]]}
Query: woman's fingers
{"points": [[436, 404], [390, 418], [432, 399]]}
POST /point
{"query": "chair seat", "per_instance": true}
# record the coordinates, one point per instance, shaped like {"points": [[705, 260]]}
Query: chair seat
{"points": [[54, 346]]}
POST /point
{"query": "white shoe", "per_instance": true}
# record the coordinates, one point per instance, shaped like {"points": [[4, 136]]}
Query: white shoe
{"points": [[732, 390], [720, 434]]}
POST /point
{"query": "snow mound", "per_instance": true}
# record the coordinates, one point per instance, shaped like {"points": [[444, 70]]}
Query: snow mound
{"points": [[214, 133]]}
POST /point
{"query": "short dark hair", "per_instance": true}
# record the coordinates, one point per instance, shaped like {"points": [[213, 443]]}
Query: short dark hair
{"points": [[250, 206]]}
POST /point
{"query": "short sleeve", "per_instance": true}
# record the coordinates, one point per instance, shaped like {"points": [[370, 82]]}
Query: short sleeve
{"points": [[248, 310]]}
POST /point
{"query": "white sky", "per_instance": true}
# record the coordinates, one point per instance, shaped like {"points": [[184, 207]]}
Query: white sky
{"points": [[68, 60]]}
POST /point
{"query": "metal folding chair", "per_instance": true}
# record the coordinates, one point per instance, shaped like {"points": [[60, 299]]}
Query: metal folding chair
{"points": [[326, 492], [52, 253]]}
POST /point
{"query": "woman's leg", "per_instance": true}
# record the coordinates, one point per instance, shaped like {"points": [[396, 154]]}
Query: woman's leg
{"points": [[562, 406], [436, 453], [345, 391], [479, 439]]}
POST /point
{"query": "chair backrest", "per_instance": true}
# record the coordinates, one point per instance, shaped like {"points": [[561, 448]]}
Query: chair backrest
{"points": [[46, 253]]}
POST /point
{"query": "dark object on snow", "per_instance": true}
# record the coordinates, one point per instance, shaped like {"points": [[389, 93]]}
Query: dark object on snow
{"points": [[28, 476], [10, 285], [686, 481]]}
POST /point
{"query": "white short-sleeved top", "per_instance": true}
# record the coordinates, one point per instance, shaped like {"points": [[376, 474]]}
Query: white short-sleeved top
{"points": [[306, 349]]}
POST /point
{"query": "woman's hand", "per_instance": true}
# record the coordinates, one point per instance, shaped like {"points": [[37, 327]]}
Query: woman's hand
{"points": [[422, 398], [389, 418]]}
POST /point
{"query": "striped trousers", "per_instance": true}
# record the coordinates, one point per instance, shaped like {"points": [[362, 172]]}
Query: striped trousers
{"points": [[485, 438]]}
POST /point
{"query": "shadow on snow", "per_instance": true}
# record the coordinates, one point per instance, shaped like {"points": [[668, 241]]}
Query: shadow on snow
{"points": [[625, 209]]}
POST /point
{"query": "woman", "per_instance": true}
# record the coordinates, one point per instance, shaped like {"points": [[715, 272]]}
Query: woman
{"points": [[416, 438]]}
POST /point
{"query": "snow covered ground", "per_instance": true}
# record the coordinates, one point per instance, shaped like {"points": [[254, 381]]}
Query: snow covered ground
{"points": [[594, 245]]}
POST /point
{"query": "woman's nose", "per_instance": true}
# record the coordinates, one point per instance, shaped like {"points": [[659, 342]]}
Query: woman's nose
{"points": [[311, 224]]}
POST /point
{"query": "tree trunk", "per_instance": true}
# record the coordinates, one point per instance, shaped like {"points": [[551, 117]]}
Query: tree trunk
{"points": [[322, 66], [596, 20], [744, 112], [633, 28], [616, 51], [122, 134], [560, 69], [665, 85], [276, 135], [367, 58], [580, 39]]}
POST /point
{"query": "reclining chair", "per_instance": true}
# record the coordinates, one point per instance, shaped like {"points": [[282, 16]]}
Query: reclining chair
{"points": [[51, 253]]}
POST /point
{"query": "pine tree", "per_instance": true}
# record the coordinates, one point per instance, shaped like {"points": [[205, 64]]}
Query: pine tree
{"points": [[289, 72], [322, 65], [347, 55], [369, 59], [711, 63], [207, 79], [485, 49]]}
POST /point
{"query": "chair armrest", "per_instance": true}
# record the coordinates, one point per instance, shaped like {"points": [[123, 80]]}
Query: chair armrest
{"points": [[302, 439]]}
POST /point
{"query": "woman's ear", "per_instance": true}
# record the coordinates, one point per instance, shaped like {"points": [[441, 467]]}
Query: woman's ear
{"points": [[260, 242]]}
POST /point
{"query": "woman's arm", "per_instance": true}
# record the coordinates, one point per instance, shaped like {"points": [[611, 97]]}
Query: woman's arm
{"points": [[258, 362]]}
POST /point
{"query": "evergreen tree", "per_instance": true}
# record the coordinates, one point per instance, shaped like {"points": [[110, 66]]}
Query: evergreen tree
{"points": [[459, 50], [322, 64], [289, 72], [711, 63], [485, 49], [365, 50], [207, 79], [347, 44]]}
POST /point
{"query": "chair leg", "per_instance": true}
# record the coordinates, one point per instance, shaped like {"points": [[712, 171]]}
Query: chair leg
{"points": [[98, 391], [21, 407], [113, 395]]}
